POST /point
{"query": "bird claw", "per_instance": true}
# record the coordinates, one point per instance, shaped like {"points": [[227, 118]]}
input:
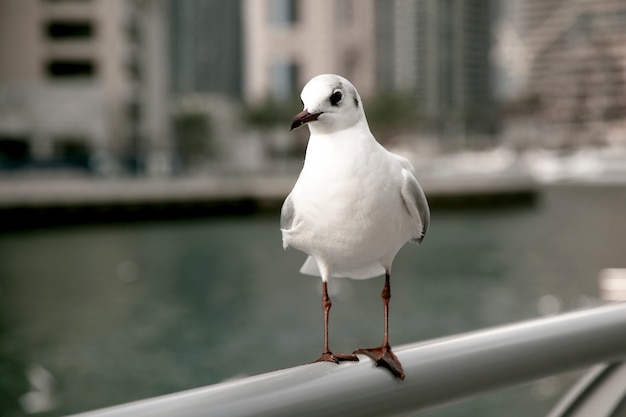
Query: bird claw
{"points": [[336, 357], [383, 356]]}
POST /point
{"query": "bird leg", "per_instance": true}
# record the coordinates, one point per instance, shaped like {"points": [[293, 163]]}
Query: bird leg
{"points": [[328, 356], [382, 355]]}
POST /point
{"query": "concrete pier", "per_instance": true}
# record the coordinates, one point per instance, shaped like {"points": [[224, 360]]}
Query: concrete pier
{"points": [[32, 203]]}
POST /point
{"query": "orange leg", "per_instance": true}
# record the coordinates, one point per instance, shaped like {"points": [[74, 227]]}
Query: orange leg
{"points": [[328, 356], [382, 355]]}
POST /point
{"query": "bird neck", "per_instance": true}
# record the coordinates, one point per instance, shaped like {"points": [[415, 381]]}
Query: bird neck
{"points": [[339, 152], [361, 129], [359, 124]]}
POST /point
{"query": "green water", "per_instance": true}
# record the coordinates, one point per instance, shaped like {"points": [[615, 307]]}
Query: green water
{"points": [[122, 312]]}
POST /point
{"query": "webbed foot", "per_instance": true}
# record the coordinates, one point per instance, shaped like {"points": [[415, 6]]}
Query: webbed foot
{"points": [[383, 356], [336, 357]]}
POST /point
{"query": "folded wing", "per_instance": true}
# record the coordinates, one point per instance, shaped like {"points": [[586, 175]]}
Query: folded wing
{"points": [[416, 203]]}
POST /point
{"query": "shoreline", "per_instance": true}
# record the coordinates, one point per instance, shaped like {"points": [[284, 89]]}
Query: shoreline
{"points": [[34, 203]]}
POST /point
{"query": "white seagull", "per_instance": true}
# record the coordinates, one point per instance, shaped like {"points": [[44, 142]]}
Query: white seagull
{"points": [[354, 205]]}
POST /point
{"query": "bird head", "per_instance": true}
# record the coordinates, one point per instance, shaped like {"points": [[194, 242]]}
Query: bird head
{"points": [[331, 103]]}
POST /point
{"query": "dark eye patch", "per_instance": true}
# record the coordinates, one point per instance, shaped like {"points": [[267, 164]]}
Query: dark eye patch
{"points": [[335, 98]]}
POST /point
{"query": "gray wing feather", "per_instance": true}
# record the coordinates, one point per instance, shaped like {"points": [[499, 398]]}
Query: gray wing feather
{"points": [[287, 214], [416, 203]]}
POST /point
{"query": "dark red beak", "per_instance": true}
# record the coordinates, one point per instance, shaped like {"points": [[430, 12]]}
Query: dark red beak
{"points": [[303, 117]]}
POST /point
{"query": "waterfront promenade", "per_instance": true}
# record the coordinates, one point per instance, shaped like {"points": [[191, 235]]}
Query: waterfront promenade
{"points": [[263, 190], [37, 202]]}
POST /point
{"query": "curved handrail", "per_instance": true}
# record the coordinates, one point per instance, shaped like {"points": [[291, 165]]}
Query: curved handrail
{"points": [[437, 372]]}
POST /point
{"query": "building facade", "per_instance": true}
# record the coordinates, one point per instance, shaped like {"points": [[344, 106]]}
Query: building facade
{"points": [[78, 82], [287, 42], [60, 90], [206, 47], [578, 67], [439, 51]]}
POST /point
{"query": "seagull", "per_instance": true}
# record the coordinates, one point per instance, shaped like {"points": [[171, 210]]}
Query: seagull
{"points": [[354, 205]]}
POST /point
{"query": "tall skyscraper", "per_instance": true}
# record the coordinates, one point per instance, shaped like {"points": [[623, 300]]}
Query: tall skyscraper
{"points": [[439, 49], [206, 46], [578, 66], [287, 42]]}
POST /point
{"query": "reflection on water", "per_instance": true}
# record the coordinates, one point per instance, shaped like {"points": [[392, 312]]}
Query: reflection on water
{"points": [[122, 312]]}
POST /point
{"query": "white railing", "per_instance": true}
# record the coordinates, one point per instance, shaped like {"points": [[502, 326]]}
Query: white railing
{"points": [[438, 372]]}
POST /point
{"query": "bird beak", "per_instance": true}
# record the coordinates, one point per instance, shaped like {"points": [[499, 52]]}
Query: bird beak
{"points": [[303, 117]]}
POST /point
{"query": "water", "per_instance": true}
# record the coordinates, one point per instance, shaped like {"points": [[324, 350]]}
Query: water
{"points": [[99, 315]]}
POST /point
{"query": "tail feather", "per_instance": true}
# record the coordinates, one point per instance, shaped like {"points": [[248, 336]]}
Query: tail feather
{"points": [[310, 268]]}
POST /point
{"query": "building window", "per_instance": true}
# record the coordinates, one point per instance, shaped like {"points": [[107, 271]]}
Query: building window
{"points": [[72, 151], [284, 80], [70, 68], [63, 30], [14, 152], [283, 12]]}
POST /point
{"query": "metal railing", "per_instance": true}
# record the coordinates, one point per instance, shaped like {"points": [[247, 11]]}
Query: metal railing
{"points": [[438, 372]]}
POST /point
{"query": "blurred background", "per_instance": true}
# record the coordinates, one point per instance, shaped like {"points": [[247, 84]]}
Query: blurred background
{"points": [[145, 151]]}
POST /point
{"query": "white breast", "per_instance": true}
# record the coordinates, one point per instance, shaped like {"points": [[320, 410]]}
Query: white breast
{"points": [[348, 207]]}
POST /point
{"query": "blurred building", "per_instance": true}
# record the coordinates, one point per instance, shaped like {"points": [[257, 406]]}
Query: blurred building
{"points": [[79, 82], [287, 42], [206, 67], [578, 67], [206, 47], [438, 50], [509, 57]]}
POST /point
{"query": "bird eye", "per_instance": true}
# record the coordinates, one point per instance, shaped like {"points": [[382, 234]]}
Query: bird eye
{"points": [[335, 98]]}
